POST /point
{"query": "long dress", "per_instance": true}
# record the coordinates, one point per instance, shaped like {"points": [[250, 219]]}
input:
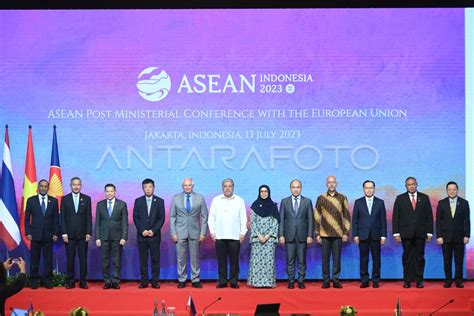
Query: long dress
{"points": [[262, 270]]}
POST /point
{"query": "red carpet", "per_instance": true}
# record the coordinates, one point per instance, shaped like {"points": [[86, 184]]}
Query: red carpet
{"points": [[130, 300]]}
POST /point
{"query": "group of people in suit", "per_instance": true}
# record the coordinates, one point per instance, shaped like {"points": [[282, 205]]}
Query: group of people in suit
{"points": [[295, 225]]}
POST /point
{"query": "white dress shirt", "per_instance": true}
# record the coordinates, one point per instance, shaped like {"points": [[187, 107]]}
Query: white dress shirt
{"points": [[228, 217]]}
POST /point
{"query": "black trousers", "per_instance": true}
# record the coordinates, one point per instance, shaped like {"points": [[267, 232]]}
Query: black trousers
{"points": [[111, 250], [296, 249], [78, 246], [373, 247], [228, 248], [413, 259], [457, 249], [332, 246], [38, 246], [149, 250]]}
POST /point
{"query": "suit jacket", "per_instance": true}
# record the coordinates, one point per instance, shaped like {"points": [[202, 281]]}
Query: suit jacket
{"points": [[114, 227], [449, 228], [144, 222], [411, 223], [373, 224], [186, 224], [39, 226], [76, 225], [297, 227]]}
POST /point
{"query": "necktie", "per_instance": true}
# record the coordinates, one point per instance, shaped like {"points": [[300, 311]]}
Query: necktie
{"points": [[148, 204], [43, 205], [109, 209], [295, 206], [188, 203], [453, 208], [76, 203], [369, 201], [413, 202]]}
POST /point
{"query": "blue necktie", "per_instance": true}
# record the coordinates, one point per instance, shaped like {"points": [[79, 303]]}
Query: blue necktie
{"points": [[109, 209], [188, 203], [295, 206], [43, 205], [76, 203], [370, 206]]}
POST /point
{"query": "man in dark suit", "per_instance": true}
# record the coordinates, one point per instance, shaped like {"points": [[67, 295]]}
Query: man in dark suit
{"points": [[42, 229], [296, 231], [111, 231], [149, 217], [76, 226], [453, 229], [369, 228], [412, 225]]}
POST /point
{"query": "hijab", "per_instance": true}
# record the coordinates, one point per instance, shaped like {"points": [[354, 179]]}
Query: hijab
{"points": [[265, 207]]}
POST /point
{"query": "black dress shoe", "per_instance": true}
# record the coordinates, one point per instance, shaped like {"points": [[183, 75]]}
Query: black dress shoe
{"points": [[221, 285], [34, 285], [234, 286], [83, 285], [364, 285], [197, 285], [447, 285], [419, 284], [70, 285], [48, 285], [326, 285], [155, 285], [406, 285], [116, 286], [301, 285], [143, 285], [181, 285], [459, 285], [107, 286], [337, 285], [376, 285], [291, 285]]}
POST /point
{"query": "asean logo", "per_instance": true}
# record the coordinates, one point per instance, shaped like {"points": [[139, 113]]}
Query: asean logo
{"points": [[153, 86]]}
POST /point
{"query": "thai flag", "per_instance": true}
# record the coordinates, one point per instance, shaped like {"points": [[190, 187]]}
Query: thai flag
{"points": [[9, 230], [190, 307]]}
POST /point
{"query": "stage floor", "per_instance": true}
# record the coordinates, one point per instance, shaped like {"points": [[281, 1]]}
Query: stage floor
{"points": [[130, 300]]}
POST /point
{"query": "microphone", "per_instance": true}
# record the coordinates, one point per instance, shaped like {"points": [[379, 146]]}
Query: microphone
{"points": [[13, 312], [214, 302], [443, 306]]}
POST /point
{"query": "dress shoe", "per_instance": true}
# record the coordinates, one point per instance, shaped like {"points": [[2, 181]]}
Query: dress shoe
{"points": [[197, 285], [83, 285], [376, 285], [234, 286], [406, 285], [337, 285], [221, 285], [155, 285], [107, 286], [48, 285], [181, 285], [459, 285], [116, 286], [143, 285], [447, 284], [291, 285], [363, 285], [34, 285], [326, 285], [419, 284], [70, 285], [301, 285]]}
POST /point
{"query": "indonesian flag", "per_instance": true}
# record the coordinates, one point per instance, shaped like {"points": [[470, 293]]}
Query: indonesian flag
{"points": [[9, 231], [30, 185], [55, 178], [190, 307]]}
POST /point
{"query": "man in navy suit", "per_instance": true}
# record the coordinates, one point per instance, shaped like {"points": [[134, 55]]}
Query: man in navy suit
{"points": [[453, 229], [369, 228], [42, 229], [149, 217], [412, 226], [76, 226]]}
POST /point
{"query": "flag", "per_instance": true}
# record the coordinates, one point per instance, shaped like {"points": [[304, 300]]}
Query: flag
{"points": [[190, 307], [30, 186], [9, 230], [55, 178], [398, 308]]}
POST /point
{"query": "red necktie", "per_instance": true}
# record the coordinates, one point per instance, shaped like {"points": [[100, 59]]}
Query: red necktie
{"points": [[413, 202]]}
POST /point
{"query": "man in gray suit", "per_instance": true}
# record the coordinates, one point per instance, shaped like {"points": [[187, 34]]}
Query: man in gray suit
{"points": [[111, 230], [296, 231], [188, 222]]}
